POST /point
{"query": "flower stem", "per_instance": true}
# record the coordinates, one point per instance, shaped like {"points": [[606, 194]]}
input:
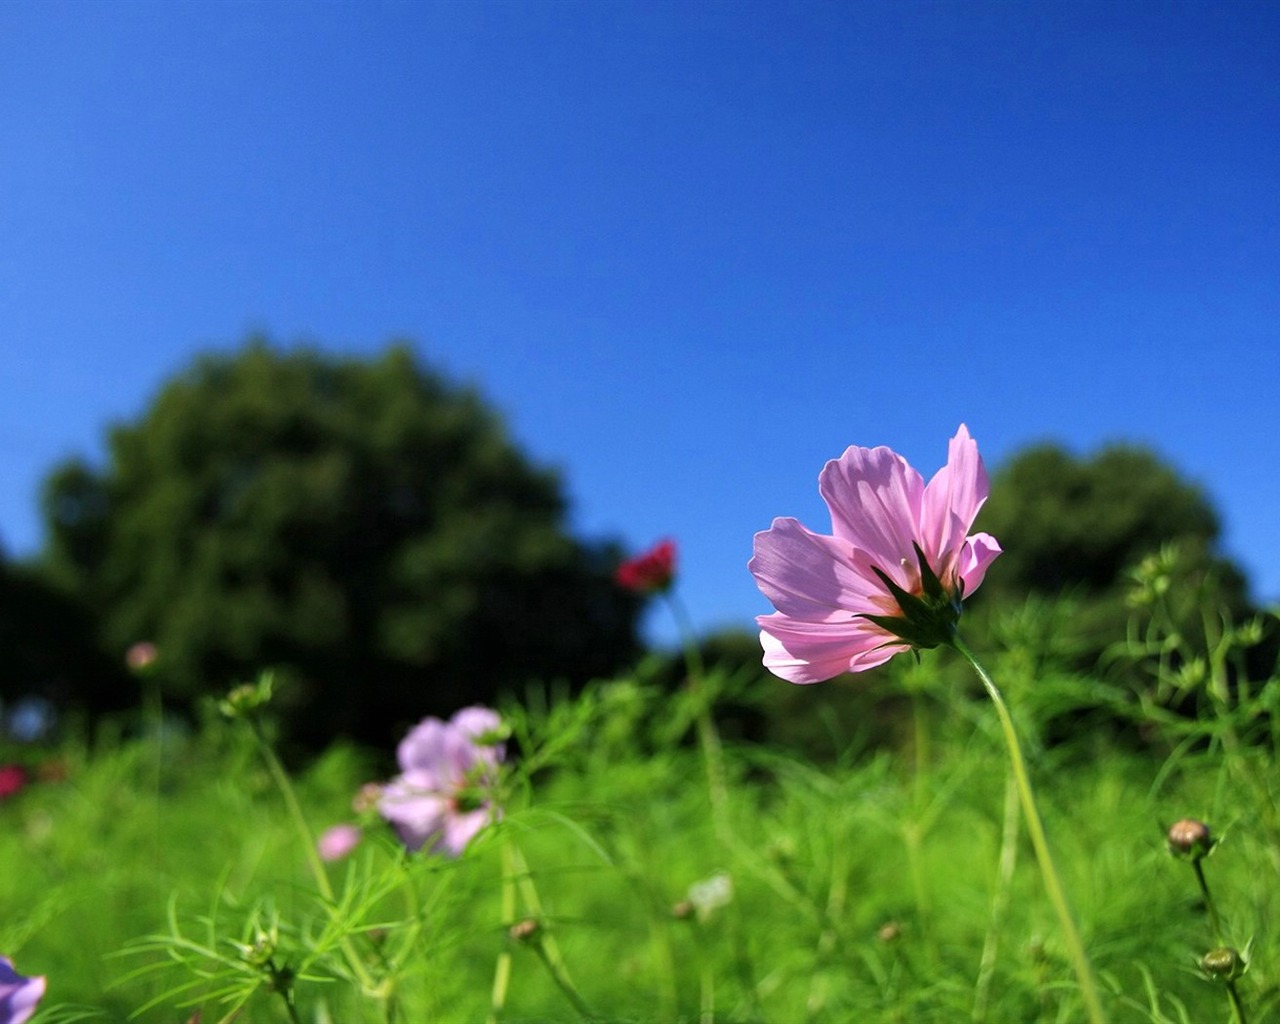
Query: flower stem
{"points": [[285, 786], [1000, 902], [1214, 921], [1237, 1006], [1035, 828], [502, 968], [708, 735]]}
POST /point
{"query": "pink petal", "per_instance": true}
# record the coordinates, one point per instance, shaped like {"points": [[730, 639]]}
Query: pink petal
{"points": [[460, 829], [808, 576], [410, 805], [875, 500], [979, 551], [807, 652], [473, 722], [337, 842], [952, 499], [424, 748]]}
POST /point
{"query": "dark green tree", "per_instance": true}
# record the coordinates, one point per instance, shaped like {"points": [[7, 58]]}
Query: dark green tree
{"points": [[366, 526], [50, 650], [1077, 527]]}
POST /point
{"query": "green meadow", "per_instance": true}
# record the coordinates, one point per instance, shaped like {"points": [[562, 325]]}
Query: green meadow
{"points": [[866, 862]]}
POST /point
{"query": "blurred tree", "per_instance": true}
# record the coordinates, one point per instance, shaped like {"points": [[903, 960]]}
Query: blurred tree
{"points": [[1077, 528], [364, 525], [50, 651]]}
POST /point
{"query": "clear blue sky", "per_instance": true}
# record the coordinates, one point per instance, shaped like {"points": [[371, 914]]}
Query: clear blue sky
{"points": [[690, 250]]}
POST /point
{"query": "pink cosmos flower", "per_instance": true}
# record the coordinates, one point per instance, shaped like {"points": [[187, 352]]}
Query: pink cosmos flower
{"points": [[141, 656], [338, 841], [441, 799], [650, 572], [18, 995], [892, 574]]}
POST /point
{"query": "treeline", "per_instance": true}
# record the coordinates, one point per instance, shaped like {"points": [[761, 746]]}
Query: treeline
{"points": [[371, 530]]}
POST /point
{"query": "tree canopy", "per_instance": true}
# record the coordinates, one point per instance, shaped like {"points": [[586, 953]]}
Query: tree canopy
{"points": [[1079, 526], [366, 525]]}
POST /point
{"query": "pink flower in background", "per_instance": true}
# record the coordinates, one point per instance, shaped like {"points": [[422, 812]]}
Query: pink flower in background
{"points": [[141, 656], [18, 995], [650, 572], [338, 841], [442, 797], [892, 574], [13, 779]]}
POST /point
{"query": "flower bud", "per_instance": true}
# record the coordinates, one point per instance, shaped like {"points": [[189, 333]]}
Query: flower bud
{"points": [[1224, 964], [523, 931], [247, 698], [1189, 838]]}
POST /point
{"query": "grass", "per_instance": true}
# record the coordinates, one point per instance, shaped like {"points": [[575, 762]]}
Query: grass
{"points": [[150, 882]]}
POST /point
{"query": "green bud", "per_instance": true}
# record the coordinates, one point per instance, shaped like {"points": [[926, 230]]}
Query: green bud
{"points": [[1223, 964], [247, 698]]}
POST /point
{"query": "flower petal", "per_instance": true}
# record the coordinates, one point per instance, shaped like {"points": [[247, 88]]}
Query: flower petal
{"points": [[875, 501], [424, 748], [952, 500], [808, 576], [979, 551], [460, 829], [807, 652], [413, 808]]}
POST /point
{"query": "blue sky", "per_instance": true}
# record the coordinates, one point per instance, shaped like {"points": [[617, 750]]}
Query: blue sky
{"points": [[691, 251]]}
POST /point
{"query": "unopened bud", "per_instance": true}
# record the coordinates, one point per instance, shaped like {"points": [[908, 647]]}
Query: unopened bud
{"points": [[889, 931], [245, 699], [1189, 838], [682, 911], [523, 931], [1224, 964]]}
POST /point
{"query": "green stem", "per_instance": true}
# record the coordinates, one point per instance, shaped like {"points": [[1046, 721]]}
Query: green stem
{"points": [[708, 736], [1237, 1006], [285, 786], [1035, 828], [555, 966], [1000, 902], [502, 968], [1214, 921], [706, 992], [915, 830]]}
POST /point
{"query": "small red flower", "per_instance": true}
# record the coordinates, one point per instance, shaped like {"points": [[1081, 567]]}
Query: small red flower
{"points": [[13, 779], [651, 572]]}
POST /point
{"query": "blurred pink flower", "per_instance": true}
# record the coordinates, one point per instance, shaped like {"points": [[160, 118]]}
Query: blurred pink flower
{"points": [[141, 656], [442, 797], [13, 779], [650, 572], [338, 841], [18, 995], [892, 575]]}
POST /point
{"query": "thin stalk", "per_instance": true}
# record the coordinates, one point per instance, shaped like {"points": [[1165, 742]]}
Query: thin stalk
{"points": [[516, 872], [914, 831], [502, 967], [1237, 1006], [1214, 921], [707, 993], [708, 736], [555, 967], [285, 786], [1000, 902], [1035, 828], [286, 993], [550, 949]]}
